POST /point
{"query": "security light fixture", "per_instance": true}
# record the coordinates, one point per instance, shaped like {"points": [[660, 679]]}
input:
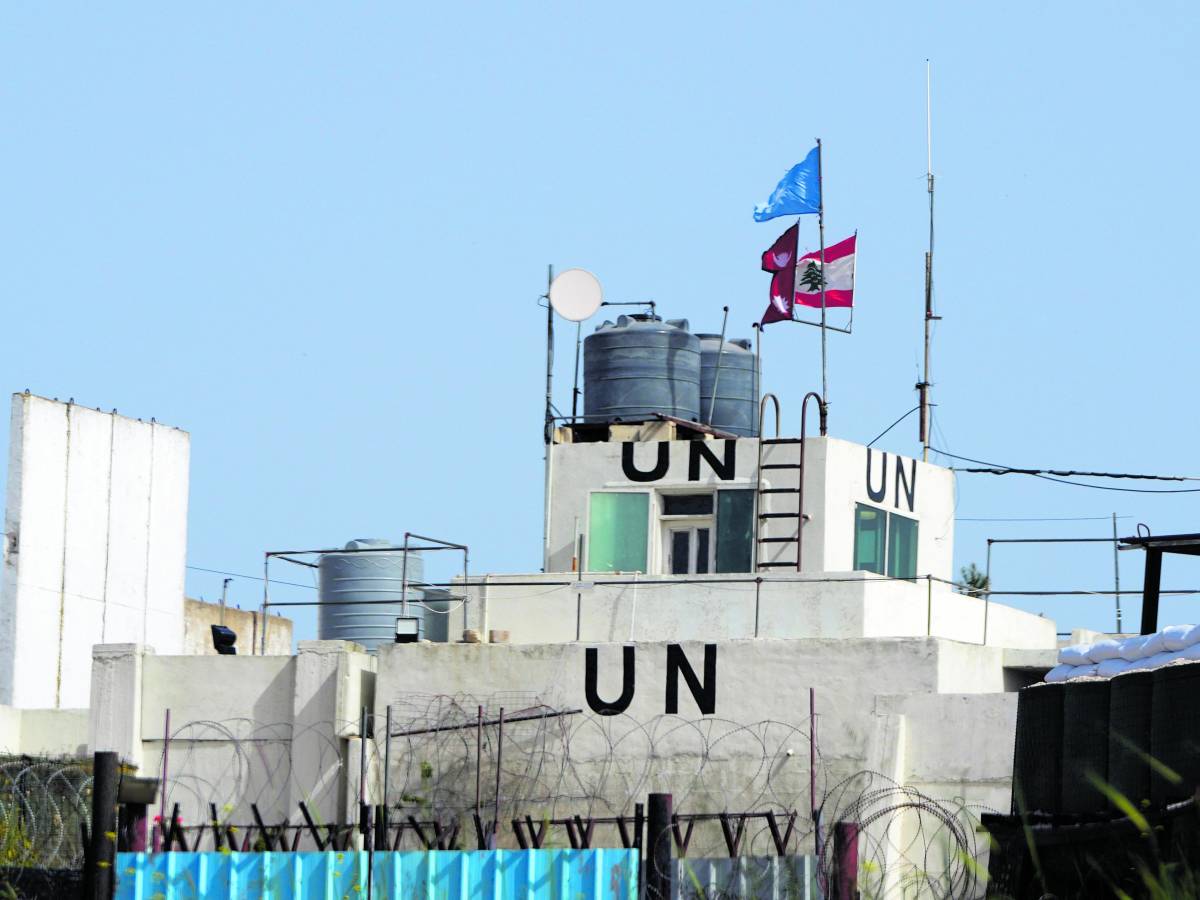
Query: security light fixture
{"points": [[224, 640], [408, 629]]}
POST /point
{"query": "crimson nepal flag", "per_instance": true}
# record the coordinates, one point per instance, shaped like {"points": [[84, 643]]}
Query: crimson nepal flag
{"points": [[780, 260]]}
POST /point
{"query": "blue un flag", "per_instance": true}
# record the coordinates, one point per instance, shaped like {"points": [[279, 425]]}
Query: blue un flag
{"points": [[798, 193]]}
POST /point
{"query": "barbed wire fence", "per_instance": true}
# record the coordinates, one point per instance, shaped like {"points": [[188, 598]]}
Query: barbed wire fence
{"points": [[449, 762], [45, 808]]}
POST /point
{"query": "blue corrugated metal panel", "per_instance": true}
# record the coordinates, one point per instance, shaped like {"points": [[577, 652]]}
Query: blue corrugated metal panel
{"points": [[434, 875], [760, 877]]}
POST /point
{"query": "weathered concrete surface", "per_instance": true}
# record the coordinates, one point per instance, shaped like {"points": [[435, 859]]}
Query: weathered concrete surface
{"points": [[199, 617], [834, 481], [557, 607], [95, 538], [272, 730], [925, 712], [44, 732]]}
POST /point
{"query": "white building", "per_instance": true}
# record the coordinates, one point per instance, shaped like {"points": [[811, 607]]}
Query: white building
{"points": [[95, 542], [671, 628]]}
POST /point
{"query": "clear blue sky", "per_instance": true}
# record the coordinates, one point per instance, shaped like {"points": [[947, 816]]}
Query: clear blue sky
{"points": [[314, 237]]}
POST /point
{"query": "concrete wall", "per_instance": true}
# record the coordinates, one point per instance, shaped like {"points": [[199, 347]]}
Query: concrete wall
{"points": [[271, 730], [835, 481], [96, 525], [199, 617], [276, 730], [921, 711], [546, 608], [43, 732]]}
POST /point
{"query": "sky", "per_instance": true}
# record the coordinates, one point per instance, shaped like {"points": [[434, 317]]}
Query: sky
{"points": [[315, 235]]}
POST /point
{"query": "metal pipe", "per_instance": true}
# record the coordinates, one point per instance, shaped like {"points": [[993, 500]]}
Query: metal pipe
{"points": [[987, 603], [649, 303], [1116, 571], [478, 758], [659, 865], [404, 578], [712, 401], [758, 373], [499, 759], [387, 762], [363, 778], [162, 807], [224, 598], [549, 354], [552, 714], [821, 231], [812, 756], [822, 414], [762, 412], [466, 594], [449, 545], [548, 426], [266, 602], [575, 389], [987, 570]]}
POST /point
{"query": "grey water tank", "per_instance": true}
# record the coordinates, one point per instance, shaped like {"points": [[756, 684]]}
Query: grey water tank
{"points": [[736, 409], [641, 366], [376, 575]]}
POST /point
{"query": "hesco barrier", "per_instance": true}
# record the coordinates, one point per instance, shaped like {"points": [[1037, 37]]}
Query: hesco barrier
{"points": [[415, 875]]}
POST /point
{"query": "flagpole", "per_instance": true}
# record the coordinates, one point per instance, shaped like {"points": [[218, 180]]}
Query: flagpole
{"points": [[821, 231], [930, 318]]}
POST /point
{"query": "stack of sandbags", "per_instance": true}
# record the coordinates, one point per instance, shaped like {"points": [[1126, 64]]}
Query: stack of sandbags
{"points": [[1116, 656]]}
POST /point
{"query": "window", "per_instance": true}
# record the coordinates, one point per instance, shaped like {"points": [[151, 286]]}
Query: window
{"points": [[707, 532], [618, 528], [902, 547], [869, 527], [735, 531], [687, 504], [689, 551], [884, 542]]}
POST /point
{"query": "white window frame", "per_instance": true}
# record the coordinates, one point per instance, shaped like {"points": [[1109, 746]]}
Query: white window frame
{"points": [[689, 525]]}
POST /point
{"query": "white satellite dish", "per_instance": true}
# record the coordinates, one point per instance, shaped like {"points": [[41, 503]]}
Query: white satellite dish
{"points": [[576, 294]]}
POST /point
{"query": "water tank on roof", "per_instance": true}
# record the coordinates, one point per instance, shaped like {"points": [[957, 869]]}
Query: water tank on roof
{"points": [[375, 575], [736, 409], [641, 366]]}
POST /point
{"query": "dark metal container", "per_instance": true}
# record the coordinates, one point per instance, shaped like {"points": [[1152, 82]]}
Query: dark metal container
{"points": [[641, 366], [736, 407]]}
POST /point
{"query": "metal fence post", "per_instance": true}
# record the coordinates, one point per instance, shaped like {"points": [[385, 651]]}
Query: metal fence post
{"points": [[845, 851], [98, 879], [659, 862]]}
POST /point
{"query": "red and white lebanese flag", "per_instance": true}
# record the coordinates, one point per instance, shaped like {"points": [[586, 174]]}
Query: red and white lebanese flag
{"points": [[839, 276]]}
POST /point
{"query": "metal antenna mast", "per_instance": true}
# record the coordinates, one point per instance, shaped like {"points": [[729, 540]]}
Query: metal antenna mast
{"points": [[924, 386]]}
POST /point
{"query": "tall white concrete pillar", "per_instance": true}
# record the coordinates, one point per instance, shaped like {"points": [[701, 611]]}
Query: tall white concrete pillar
{"points": [[115, 722]]}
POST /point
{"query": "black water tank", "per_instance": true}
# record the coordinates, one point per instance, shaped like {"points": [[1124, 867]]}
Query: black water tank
{"points": [[641, 366], [736, 406]]}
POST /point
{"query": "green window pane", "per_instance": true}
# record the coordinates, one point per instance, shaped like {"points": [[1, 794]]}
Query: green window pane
{"points": [[870, 525], [902, 547], [735, 531], [617, 532]]}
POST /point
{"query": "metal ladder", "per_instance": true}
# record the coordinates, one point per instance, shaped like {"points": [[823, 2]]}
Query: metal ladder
{"points": [[761, 516]]}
